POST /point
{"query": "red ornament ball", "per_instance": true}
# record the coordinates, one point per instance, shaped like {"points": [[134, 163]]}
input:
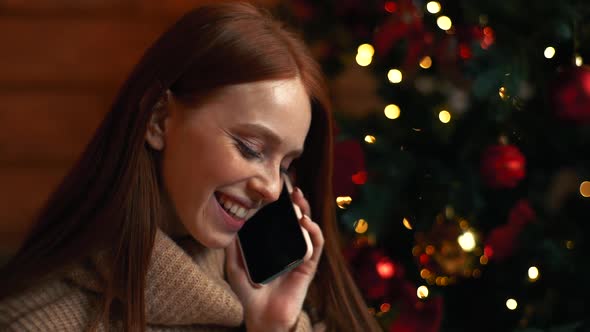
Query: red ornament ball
{"points": [[502, 166], [571, 94]]}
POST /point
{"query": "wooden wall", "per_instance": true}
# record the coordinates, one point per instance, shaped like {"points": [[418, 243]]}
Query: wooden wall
{"points": [[61, 63]]}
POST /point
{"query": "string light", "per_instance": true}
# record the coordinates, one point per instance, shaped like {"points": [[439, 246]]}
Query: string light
{"points": [[585, 189], [579, 60], [365, 54], [444, 23], [343, 201], [483, 260], [444, 116], [549, 52], [406, 223], [422, 292], [426, 62], [433, 7], [394, 76], [385, 307], [511, 304], [370, 139], [569, 244], [503, 93], [363, 61], [366, 50], [392, 111], [466, 241], [424, 273], [533, 273], [361, 226]]}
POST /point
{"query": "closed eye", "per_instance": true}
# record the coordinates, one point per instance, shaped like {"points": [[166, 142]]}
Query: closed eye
{"points": [[247, 151]]}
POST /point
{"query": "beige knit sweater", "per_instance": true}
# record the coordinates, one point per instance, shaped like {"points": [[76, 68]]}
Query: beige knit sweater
{"points": [[185, 291]]}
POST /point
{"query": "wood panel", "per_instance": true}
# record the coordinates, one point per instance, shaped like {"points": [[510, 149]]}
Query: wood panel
{"points": [[48, 127], [72, 52]]}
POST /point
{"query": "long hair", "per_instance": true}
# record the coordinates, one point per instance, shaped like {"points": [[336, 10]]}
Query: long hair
{"points": [[110, 200]]}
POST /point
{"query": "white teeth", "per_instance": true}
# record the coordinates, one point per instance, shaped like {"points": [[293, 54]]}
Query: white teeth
{"points": [[241, 212], [233, 208]]}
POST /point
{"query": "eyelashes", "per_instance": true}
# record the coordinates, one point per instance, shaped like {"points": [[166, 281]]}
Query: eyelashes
{"points": [[247, 151], [250, 153]]}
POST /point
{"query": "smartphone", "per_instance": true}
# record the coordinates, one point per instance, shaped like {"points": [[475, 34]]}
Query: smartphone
{"points": [[272, 241]]}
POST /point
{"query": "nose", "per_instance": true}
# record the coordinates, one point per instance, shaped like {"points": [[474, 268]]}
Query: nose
{"points": [[267, 184]]}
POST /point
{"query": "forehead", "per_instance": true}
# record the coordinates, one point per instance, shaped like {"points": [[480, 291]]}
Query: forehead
{"points": [[283, 106]]}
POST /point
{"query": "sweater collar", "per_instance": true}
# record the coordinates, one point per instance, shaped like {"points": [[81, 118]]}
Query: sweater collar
{"points": [[185, 284]]}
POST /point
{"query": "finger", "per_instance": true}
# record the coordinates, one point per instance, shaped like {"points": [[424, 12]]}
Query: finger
{"points": [[308, 243], [299, 199], [315, 234]]}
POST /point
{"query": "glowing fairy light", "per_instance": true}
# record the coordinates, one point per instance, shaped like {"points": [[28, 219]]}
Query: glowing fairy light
{"points": [[394, 76], [433, 7], [585, 189], [392, 111], [533, 273], [370, 139], [361, 226], [549, 52], [343, 201], [444, 23], [579, 60], [467, 241], [364, 55], [426, 62], [366, 50], [422, 292], [444, 116], [511, 304], [406, 223]]}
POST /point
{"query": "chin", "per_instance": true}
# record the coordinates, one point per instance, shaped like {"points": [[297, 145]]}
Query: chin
{"points": [[219, 241]]}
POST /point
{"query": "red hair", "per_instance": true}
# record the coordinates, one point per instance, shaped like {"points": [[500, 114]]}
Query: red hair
{"points": [[111, 195]]}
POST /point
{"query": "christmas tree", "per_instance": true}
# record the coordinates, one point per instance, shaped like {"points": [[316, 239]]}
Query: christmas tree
{"points": [[461, 161]]}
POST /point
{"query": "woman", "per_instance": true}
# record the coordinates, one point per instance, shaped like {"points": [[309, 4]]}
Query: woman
{"points": [[134, 238]]}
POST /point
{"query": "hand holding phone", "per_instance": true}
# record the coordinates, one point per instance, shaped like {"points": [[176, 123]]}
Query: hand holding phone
{"points": [[278, 304], [272, 242]]}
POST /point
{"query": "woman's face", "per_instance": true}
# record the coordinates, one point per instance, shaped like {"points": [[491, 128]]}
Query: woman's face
{"points": [[223, 158]]}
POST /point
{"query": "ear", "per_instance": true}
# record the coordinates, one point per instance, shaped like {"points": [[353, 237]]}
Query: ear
{"points": [[156, 129]]}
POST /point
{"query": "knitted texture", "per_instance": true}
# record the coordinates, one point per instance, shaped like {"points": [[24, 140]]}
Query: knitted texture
{"points": [[185, 291]]}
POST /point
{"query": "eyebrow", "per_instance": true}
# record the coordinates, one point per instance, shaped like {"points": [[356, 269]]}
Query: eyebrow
{"points": [[270, 135]]}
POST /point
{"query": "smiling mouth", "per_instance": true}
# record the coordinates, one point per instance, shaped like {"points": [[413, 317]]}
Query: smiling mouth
{"points": [[233, 208]]}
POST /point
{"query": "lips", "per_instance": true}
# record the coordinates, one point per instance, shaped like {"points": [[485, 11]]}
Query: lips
{"points": [[233, 212]]}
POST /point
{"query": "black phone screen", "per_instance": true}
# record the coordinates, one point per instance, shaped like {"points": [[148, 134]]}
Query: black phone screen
{"points": [[272, 240]]}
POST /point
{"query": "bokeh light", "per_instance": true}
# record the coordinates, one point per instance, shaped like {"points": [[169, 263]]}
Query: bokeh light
{"points": [[511, 304], [370, 139], [444, 23], [422, 292], [406, 223], [433, 7], [343, 201], [585, 189], [533, 273], [467, 241], [426, 62], [361, 226], [392, 111], [395, 76], [549, 52], [385, 268], [444, 116]]}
